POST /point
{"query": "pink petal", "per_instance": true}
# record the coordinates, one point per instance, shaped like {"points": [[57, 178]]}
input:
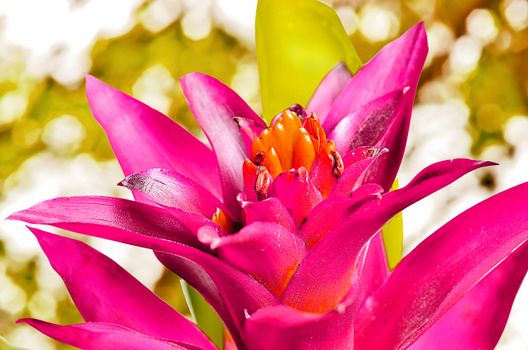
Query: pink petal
{"points": [[317, 287], [282, 327], [442, 269], [394, 139], [209, 275], [295, 190], [269, 210], [329, 214], [327, 91], [196, 222], [104, 292], [250, 130], [478, 319], [107, 216], [397, 65], [367, 125], [230, 292], [129, 123], [372, 268], [354, 174], [172, 189], [360, 153], [382, 123], [267, 251], [215, 106], [97, 336]]}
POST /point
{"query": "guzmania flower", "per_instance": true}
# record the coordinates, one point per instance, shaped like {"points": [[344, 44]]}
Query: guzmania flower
{"points": [[278, 227]]}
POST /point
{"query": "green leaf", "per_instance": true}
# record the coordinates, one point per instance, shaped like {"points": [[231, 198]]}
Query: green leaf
{"points": [[298, 42], [392, 234], [204, 315]]}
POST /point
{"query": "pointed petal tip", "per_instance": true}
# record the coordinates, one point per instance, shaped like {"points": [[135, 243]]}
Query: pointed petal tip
{"points": [[11, 216], [341, 65], [96, 89], [422, 34], [36, 232], [341, 68], [488, 163], [476, 164], [127, 182], [45, 238], [132, 181], [33, 322], [184, 79], [17, 216], [418, 28], [417, 34], [92, 82], [22, 320]]}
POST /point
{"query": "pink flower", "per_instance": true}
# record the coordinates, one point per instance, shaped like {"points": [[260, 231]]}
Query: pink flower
{"points": [[278, 227]]}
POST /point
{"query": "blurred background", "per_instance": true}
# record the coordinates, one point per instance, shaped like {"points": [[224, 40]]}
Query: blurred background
{"points": [[472, 102]]}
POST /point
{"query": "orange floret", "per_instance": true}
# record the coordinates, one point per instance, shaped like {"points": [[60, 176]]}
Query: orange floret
{"points": [[289, 143]]}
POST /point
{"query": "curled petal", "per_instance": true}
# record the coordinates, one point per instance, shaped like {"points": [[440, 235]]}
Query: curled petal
{"points": [[371, 269], [327, 91], [382, 123], [115, 292], [367, 125], [266, 251], [325, 171], [164, 144], [442, 269], [172, 189], [316, 287], [269, 210], [99, 335], [396, 65], [215, 106], [295, 190], [360, 153], [331, 213], [354, 174], [250, 130]]}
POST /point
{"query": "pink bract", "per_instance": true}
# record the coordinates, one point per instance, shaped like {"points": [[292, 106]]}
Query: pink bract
{"points": [[304, 269]]}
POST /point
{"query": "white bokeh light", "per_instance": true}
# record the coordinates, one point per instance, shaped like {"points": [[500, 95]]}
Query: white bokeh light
{"points": [[481, 24], [378, 23]]}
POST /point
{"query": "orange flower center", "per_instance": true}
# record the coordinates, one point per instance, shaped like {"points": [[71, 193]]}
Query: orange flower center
{"points": [[290, 143]]}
